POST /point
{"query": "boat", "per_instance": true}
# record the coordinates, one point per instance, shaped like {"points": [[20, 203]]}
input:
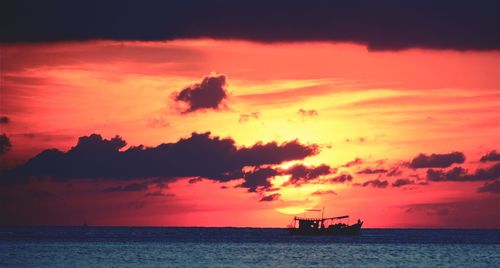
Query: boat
{"points": [[324, 226]]}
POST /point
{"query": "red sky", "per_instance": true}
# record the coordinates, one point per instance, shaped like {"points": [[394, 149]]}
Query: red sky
{"points": [[384, 108]]}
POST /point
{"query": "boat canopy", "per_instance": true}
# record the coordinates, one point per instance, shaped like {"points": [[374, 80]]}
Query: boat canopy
{"points": [[320, 219]]}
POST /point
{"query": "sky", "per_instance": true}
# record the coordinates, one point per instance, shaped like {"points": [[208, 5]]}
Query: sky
{"points": [[248, 116]]}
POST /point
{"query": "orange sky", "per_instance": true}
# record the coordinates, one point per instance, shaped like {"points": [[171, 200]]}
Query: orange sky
{"points": [[382, 107]]}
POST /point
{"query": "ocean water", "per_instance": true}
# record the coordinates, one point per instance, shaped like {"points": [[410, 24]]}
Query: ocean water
{"points": [[244, 247]]}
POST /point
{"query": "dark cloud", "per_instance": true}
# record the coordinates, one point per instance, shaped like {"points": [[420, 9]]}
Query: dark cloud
{"points": [[200, 155], [271, 197], [258, 178], [195, 180], [437, 160], [355, 162], [461, 174], [307, 113], [162, 185], [302, 174], [372, 171], [341, 178], [491, 156], [208, 94], [490, 173], [273, 153], [299, 174], [376, 183], [245, 117], [159, 193], [5, 144], [492, 187], [133, 187], [4, 120], [454, 174], [402, 182], [394, 172], [327, 192], [385, 24]]}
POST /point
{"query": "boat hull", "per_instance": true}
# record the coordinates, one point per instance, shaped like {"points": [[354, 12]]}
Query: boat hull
{"points": [[336, 230]]}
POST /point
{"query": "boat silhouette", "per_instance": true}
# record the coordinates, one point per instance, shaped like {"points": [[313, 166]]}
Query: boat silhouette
{"points": [[324, 226]]}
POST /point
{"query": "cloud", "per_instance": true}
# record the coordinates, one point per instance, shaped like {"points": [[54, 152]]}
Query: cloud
{"points": [[302, 174], [158, 122], [394, 172], [461, 174], [376, 183], [271, 197], [437, 160], [327, 192], [307, 113], [402, 182], [159, 193], [492, 187], [372, 171], [208, 94], [355, 162], [133, 187], [5, 144], [162, 185], [4, 120], [258, 178], [491, 156], [341, 178], [245, 117], [299, 174], [195, 180], [273, 153], [381, 25], [199, 155]]}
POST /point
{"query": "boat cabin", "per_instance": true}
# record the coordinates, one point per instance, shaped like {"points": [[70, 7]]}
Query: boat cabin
{"points": [[317, 223]]}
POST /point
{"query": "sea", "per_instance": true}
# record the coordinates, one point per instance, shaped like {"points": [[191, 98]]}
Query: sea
{"points": [[244, 247]]}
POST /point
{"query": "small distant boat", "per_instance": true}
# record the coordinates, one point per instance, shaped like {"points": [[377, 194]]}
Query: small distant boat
{"points": [[324, 226]]}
